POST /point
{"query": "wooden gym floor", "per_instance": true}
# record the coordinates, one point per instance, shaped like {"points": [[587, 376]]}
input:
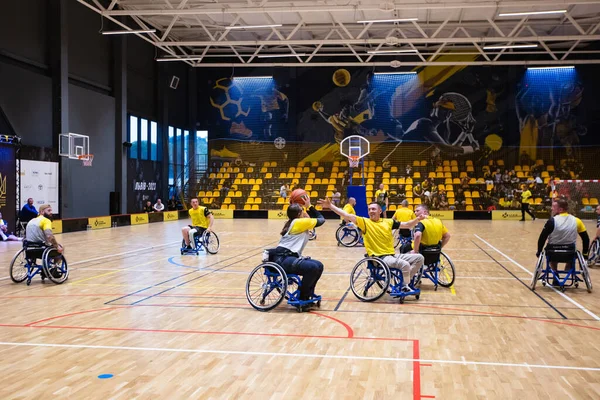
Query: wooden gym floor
{"points": [[171, 326]]}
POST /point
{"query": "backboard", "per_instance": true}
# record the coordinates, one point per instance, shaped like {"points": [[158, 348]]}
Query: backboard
{"points": [[74, 146]]}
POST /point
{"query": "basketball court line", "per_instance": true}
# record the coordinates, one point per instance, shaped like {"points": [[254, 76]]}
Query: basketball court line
{"points": [[524, 284], [462, 361], [531, 274]]}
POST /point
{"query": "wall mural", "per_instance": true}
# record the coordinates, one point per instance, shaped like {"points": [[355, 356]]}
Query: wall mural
{"points": [[457, 110]]}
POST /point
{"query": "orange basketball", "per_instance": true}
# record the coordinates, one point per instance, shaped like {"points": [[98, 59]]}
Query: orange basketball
{"points": [[299, 196]]}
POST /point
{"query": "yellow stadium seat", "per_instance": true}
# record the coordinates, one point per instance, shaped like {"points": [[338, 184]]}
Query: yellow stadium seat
{"points": [[247, 207], [450, 194], [266, 164], [320, 169], [447, 168], [545, 174], [239, 176], [263, 170], [273, 164], [369, 188], [409, 195], [255, 187], [593, 201], [311, 175], [538, 200], [439, 169], [469, 201], [417, 175], [258, 200], [468, 162], [500, 163], [470, 169], [314, 164], [539, 162], [249, 169], [408, 188], [292, 169], [317, 181], [409, 181], [224, 207], [431, 175], [314, 194], [255, 207], [324, 181], [393, 181], [467, 194], [448, 181], [441, 187], [329, 187], [335, 169], [449, 187], [378, 169], [450, 200], [417, 201], [446, 163], [392, 207], [201, 193], [216, 193], [369, 196], [206, 201], [470, 208], [385, 181], [238, 194], [472, 181], [280, 200], [343, 163], [585, 201], [394, 169], [371, 175], [212, 175], [518, 168], [370, 181], [462, 174], [232, 206], [282, 175], [455, 163], [423, 163], [329, 194], [454, 169], [335, 164], [385, 175], [525, 168], [268, 175], [441, 175], [520, 174], [285, 207], [356, 175], [416, 163], [250, 200], [401, 181], [475, 195], [332, 181], [448, 174], [550, 168], [456, 181], [227, 200]]}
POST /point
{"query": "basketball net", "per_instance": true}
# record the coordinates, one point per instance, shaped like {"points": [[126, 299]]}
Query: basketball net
{"points": [[353, 161], [87, 159]]}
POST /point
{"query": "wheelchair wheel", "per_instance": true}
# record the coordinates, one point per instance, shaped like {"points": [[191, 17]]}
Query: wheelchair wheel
{"points": [[370, 279], [396, 234], [312, 235], [538, 270], [593, 253], [446, 273], [18, 267], [585, 272], [266, 286], [211, 242], [55, 266], [347, 236]]}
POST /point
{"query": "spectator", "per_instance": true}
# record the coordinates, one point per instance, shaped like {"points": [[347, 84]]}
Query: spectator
{"points": [[498, 176], [283, 191], [335, 199], [505, 177], [4, 234], [525, 159], [464, 183], [148, 207], [444, 205], [28, 212], [418, 191], [225, 188], [159, 206], [460, 199], [172, 204], [408, 170]]}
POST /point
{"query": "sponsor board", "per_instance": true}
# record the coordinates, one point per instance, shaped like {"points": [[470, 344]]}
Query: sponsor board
{"points": [[99, 222], [57, 226], [138, 219], [442, 214], [507, 215], [222, 214], [277, 214], [170, 215]]}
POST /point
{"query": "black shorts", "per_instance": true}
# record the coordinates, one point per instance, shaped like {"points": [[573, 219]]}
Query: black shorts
{"points": [[199, 230]]}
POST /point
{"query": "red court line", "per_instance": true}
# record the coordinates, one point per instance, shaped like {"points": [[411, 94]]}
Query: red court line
{"points": [[511, 316], [71, 314], [416, 371], [345, 325]]}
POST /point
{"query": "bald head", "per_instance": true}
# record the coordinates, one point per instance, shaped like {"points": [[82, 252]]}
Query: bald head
{"points": [[352, 201], [404, 203]]}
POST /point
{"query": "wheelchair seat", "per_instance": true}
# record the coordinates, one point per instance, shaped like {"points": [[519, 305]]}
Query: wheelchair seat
{"points": [[562, 253], [431, 254]]}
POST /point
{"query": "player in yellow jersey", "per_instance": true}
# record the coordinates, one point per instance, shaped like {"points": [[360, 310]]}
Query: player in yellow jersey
{"points": [[525, 201], [404, 214], [202, 220], [430, 232], [349, 208], [379, 241]]}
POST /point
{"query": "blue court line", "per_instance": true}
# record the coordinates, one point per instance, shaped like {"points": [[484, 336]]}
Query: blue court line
{"points": [[342, 300], [521, 282], [208, 273], [160, 283]]}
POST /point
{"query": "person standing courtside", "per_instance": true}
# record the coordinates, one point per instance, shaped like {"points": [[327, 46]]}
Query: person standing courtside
{"points": [[525, 200], [202, 220], [381, 198], [379, 240]]}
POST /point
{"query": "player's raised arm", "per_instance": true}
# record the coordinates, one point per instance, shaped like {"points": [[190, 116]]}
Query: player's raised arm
{"points": [[326, 203]]}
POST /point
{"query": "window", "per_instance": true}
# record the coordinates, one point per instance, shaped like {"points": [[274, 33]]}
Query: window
{"points": [[153, 141], [133, 136], [186, 155], [202, 150], [171, 155], [144, 138], [178, 161]]}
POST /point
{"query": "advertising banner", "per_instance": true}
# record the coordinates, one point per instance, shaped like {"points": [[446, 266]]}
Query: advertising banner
{"points": [[39, 181], [138, 219], [442, 214], [99, 222], [171, 216], [507, 215], [8, 177], [277, 214], [222, 214]]}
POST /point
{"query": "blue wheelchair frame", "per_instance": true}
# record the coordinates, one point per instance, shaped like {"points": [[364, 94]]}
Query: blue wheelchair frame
{"points": [[379, 275], [564, 278], [276, 280], [349, 230], [200, 242], [431, 268], [594, 254], [34, 269]]}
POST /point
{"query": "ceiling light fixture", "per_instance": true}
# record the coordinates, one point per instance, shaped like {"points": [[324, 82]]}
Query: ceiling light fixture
{"points": [[387, 20], [512, 46], [253, 26], [519, 14], [126, 32]]}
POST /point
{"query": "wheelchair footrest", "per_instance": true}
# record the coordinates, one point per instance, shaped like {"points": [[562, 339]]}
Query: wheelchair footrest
{"points": [[400, 293], [300, 303]]}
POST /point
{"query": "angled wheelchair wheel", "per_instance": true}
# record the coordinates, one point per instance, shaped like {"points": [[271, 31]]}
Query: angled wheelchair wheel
{"points": [[539, 266], [370, 279], [211, 242], [585, 272], [55, 266], [18, 267], [593, 253], [446, 273], [312, 235], [266, 286], [347, 236], [396, 234]]}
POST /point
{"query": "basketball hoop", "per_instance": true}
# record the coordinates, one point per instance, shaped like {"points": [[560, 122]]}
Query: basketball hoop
{"points": [[353, 161], [87, 159]]}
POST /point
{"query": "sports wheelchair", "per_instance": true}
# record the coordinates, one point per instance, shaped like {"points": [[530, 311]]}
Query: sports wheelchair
{"points": [[24, 264], [209, 241], [268, 284], [437, 267], [401, 241], [561, 279], [371, 278], [594, 256], [312, 234], [348, 235]]}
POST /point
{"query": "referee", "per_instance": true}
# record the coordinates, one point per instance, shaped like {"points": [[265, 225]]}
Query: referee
{"points": [[525, 201]]}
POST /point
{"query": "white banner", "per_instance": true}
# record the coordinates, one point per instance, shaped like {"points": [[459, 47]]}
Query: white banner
{"points": [[39, 180]]}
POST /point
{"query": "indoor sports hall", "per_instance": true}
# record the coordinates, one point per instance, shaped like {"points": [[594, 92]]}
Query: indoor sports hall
{"points": [[249, 200]]}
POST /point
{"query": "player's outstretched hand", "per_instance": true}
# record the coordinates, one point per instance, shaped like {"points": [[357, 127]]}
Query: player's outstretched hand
{"points": [[325, 203]]}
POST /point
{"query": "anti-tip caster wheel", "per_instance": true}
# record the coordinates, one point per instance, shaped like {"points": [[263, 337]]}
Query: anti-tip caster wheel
{"points": [[299, 309]]}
